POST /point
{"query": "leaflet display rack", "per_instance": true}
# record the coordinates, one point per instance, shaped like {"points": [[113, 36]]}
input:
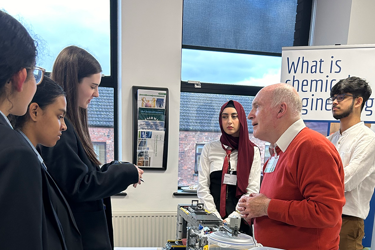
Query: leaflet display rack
{"points": [[150, 127]]}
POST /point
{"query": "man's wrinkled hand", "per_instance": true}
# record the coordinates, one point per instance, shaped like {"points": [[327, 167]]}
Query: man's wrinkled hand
{"points": [[253, 206]]}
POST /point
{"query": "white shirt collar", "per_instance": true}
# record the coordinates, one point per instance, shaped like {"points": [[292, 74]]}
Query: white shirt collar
{"points": [[34, 149], [6, 119], [287, 137]]}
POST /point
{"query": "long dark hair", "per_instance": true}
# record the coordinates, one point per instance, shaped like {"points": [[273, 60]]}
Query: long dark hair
{"points": [[70, 67], [45, 94], [17, 49]]}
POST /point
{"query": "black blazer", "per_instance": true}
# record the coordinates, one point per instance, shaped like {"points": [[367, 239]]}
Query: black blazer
{"points": [[33, 212], [85, 185]]}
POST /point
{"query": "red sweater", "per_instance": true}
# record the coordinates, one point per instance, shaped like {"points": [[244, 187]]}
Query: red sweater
{"points": [[307, 195]]}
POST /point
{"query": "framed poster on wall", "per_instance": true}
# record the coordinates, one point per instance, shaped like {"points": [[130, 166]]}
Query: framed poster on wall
{"points": [[150, 127]]}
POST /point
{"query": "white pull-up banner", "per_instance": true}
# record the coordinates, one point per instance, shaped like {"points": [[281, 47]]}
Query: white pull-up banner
{"points": [[313, 70]]}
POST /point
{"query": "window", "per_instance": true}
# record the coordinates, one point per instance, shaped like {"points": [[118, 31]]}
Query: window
{"points": [[100, 150], [58, 24], [198, 152], [91, 25], [199, 124], [258, 26], [225, 76], [233, 48], [230, 68], [101, 122]]}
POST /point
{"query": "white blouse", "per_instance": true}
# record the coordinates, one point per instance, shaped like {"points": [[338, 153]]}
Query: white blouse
{"points": [[212, 159]]}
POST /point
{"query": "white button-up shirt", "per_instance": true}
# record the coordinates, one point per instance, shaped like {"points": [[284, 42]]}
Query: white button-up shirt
{"points": [[356, 146], [212, 159]]}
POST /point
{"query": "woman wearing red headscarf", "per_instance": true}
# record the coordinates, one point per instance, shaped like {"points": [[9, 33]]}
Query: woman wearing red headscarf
{"points": [[230, 167]]}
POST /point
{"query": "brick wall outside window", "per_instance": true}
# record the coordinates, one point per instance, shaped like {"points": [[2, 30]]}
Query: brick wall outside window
{"points": [[106, 135]]}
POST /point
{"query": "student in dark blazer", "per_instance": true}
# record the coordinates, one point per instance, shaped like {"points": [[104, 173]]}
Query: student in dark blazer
{"points": [[43, 124], [73, 163], [27, 213]]}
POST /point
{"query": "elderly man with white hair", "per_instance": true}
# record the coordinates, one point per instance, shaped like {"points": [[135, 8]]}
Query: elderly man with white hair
{"points": [[302, 194]]}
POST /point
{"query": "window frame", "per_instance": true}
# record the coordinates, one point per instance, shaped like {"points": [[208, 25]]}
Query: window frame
{"points": [[250, 52], [215, 88], [112, 80]]}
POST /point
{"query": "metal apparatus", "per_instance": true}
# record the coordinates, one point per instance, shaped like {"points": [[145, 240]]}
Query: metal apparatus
{"points": [[194, 224]]}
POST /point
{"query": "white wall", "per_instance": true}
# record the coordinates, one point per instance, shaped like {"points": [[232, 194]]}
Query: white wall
{"points": [[343, 22], [362, 22], [331, 24], [150, 45]]}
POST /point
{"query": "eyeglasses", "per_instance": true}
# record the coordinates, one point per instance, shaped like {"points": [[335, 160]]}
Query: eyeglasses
{"points": [[38, 73], [339, 98]]}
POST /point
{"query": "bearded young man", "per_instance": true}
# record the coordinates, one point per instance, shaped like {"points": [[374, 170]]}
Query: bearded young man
{"points": [[356, 145]]}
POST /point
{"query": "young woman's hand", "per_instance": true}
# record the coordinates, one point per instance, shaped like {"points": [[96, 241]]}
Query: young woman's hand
{"points": [[140, 173]]}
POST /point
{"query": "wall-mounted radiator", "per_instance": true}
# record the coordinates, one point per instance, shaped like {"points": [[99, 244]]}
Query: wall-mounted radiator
{"points": [[143, 229]]}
